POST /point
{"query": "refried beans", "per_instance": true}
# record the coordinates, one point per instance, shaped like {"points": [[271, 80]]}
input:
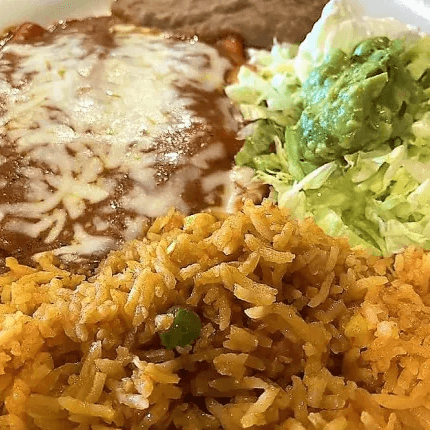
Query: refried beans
{"points": [[257, 21]]}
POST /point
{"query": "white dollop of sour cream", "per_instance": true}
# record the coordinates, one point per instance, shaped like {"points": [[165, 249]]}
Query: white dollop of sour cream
{"points": [[343, 24]]}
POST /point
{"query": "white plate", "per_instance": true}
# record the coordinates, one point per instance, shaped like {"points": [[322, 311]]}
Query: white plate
{"points": [[413, 12], [46, 12]]}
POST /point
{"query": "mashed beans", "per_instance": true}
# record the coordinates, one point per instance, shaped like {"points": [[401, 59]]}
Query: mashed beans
{"points": [[258, 22]]}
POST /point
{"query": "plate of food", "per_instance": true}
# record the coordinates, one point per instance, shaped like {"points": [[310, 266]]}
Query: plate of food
{"points": [[215, 216]]}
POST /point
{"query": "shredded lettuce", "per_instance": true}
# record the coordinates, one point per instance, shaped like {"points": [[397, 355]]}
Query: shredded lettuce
{"points": [[377, 195]]}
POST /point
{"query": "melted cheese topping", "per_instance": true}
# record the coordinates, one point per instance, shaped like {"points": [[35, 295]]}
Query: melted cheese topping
{"points": [[87, 123]]}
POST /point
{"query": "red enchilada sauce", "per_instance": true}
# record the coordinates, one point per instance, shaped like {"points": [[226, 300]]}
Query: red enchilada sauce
{"points": [[104, 126]]}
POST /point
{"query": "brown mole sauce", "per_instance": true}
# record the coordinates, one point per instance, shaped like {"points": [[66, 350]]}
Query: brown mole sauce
{"points": [[194, 139]]}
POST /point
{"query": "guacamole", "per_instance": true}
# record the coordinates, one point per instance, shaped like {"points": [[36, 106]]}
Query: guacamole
{"points": [[356, 102]]}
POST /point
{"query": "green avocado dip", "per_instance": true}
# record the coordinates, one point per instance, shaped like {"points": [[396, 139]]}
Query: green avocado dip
{"points": [[356, 102], [350, 145]]}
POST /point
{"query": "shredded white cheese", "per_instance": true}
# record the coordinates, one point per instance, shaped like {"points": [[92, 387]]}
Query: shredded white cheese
{"points": [[78, 114]]}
